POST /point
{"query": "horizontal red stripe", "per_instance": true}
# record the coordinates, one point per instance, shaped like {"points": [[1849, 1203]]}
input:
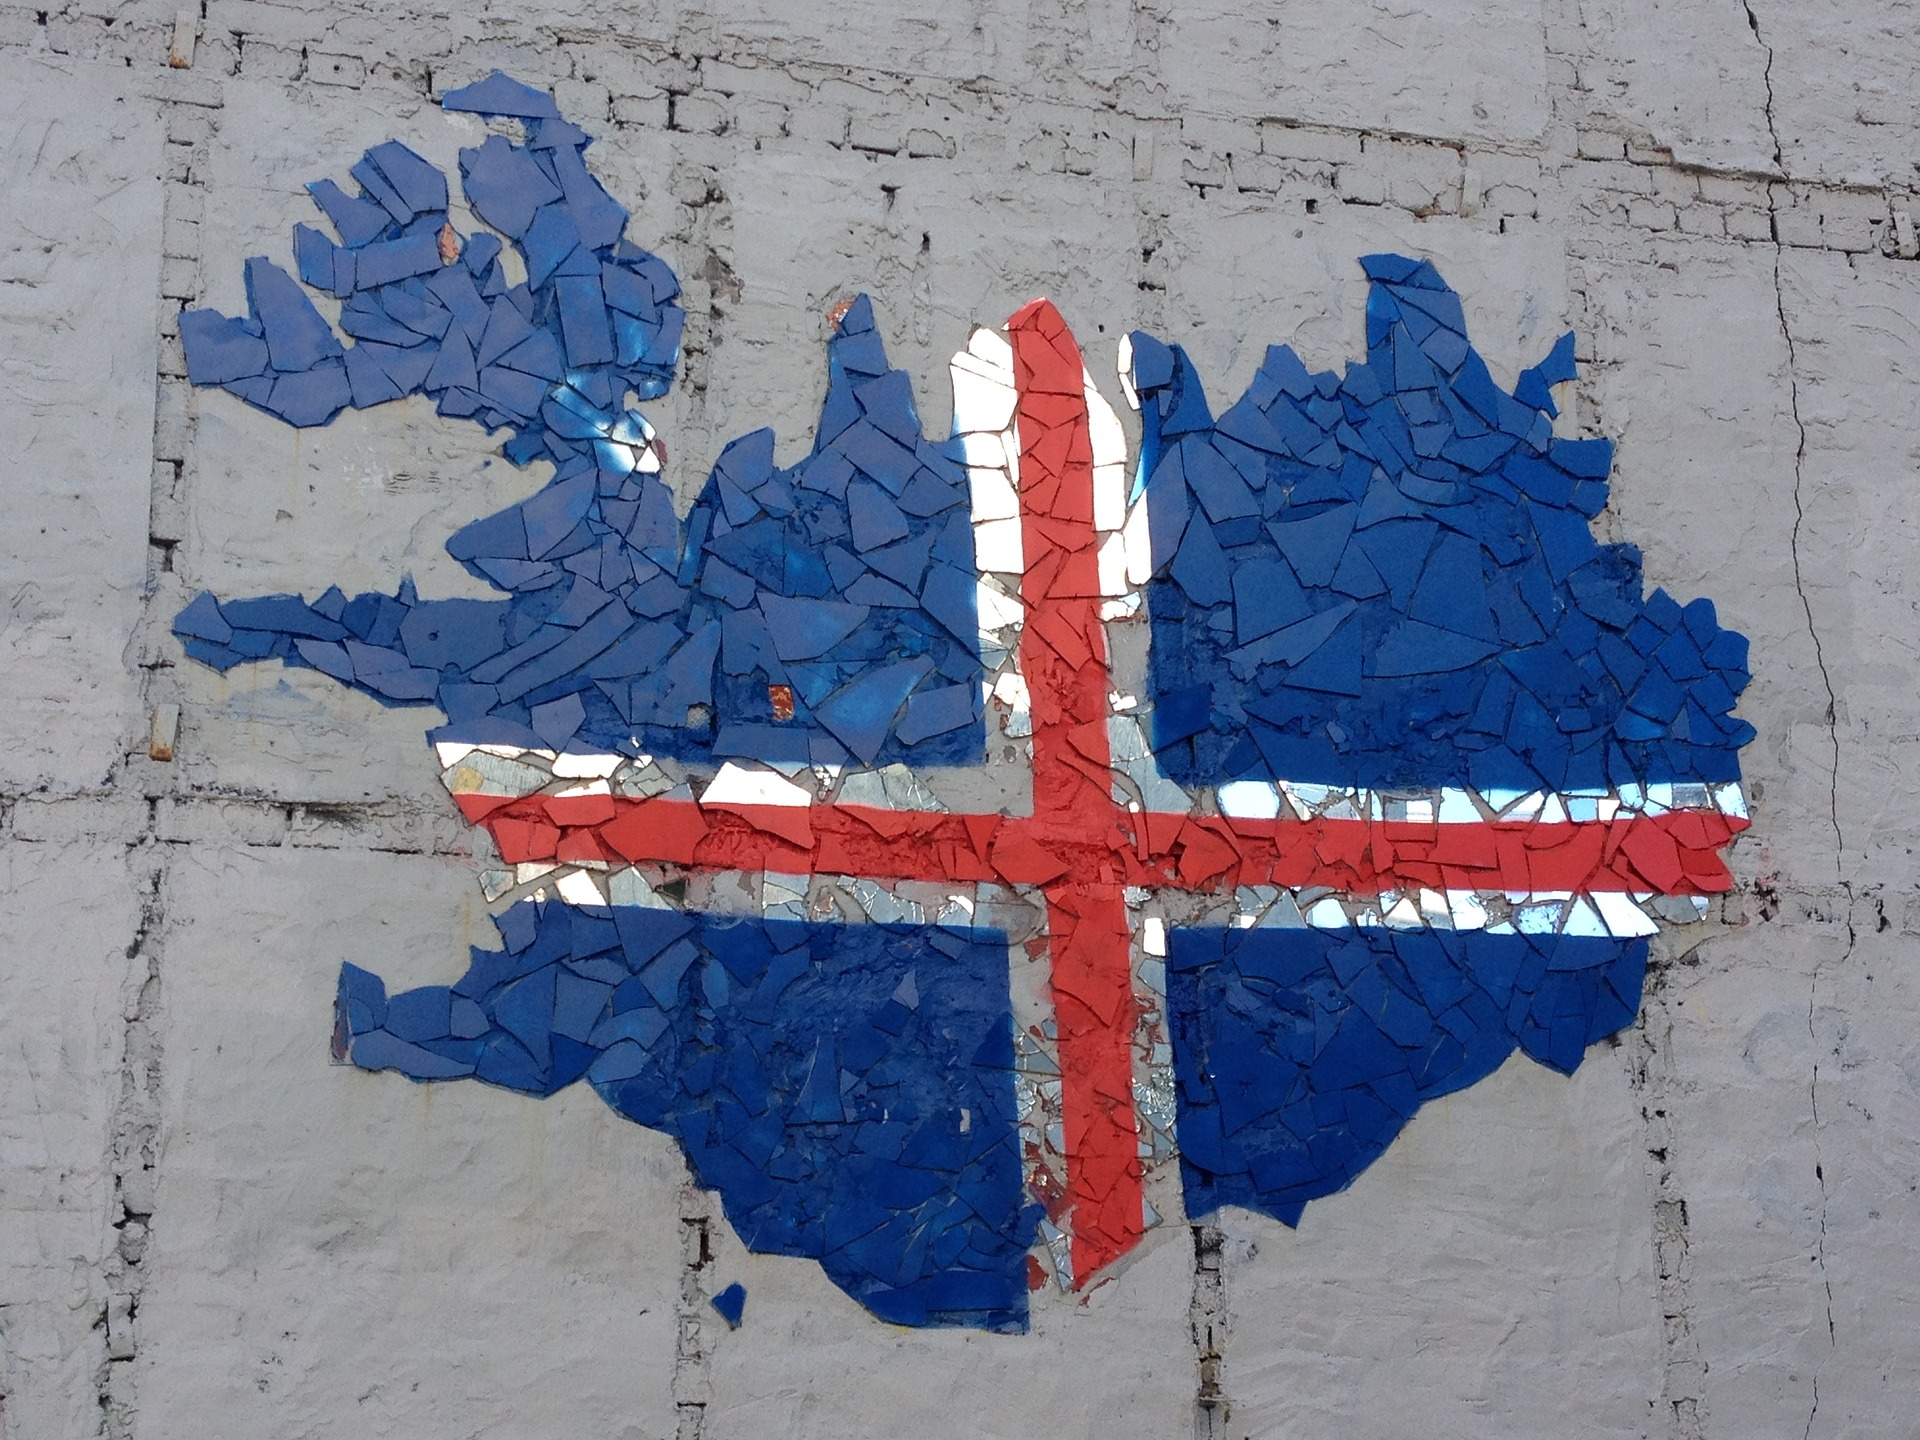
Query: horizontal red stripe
{"points": [[1671, 854]]}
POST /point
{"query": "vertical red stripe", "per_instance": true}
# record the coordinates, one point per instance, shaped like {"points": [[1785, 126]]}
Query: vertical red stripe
{"points": [[1063, 655]]}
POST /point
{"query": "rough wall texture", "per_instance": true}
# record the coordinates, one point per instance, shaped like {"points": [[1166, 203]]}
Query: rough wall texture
{"points": [[206, 1229]]}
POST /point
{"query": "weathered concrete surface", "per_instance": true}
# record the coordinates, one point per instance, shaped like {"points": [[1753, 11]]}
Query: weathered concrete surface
{"points": [[206, 1228], [66, 987], [1333, 63], [354, 1248], [805, 1363], [1388, 1314], [79, 279]]}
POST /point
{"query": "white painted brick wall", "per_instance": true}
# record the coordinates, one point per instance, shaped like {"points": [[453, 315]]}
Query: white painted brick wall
{"points": [[206, 1229]]}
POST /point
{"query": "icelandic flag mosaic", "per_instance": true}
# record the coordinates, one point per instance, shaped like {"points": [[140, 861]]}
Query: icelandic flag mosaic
{"points": [[1330, 759]]}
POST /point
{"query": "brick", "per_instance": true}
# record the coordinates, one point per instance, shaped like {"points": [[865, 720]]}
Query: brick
{"points": [[929, 145], [171, 425], [106, 815], [767, 82], [179, 278], [1361, 184], [1213, 135], [877, 134], [167, 521], [188, 126], [221, 822], [1651, 215], [180, 238], [187, 202], [1748, 224], [1675, 186], [290, 25], [1420, 178], [700, 113], [1600, 145], [172, 357], [649, 112], [1300, 142], [349, 71], [262, 61], [1496, 167], [1851, 233], [1616, 176], [1798, 225], [19, 30], [1702, 219], [764, 119], [1142, 155], [1259, 173], [1214, 174], [379, 827], [1733, 190], [582, 101], [1045, 152], [1510, 200], [826, 123]]}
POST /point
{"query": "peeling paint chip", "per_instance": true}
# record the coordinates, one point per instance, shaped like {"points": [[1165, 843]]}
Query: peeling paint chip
{"points": [[165, 730], [186, 30]]}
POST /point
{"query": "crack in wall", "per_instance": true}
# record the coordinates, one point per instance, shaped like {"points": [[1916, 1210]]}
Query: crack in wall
{"points": [[1826, 680], [1683, 1377], [1207, 1316], [693, 1317], [134, 1145], [134, 1134]]}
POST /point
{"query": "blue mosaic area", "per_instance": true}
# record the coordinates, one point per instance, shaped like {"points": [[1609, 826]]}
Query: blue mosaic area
{"points": [[1387, 577], [1381, 578], [848, 1090], [821, 612], [1300, 1054]]}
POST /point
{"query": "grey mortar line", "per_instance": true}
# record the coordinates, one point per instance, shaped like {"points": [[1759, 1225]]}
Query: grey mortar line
{"points": [[694, 1317], [134, 1137], [1650, 1049]]}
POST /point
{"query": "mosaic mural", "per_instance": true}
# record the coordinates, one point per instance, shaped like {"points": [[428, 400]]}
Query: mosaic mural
{"points": [[1407, 770]]}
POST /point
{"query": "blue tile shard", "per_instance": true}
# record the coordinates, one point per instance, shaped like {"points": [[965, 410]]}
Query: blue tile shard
{"points": [[847, 1089], [1387, 577], [731, 1303]]}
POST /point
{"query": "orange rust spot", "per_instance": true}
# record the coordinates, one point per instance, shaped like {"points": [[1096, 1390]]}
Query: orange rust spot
{"points": [[781, 698]]}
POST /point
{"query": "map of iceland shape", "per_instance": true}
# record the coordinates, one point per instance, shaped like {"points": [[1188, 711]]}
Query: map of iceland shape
{"points": [[1413, 771]]}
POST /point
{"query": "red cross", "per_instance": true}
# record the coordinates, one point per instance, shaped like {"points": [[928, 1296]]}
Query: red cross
{"points": [[1081, 848]]}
